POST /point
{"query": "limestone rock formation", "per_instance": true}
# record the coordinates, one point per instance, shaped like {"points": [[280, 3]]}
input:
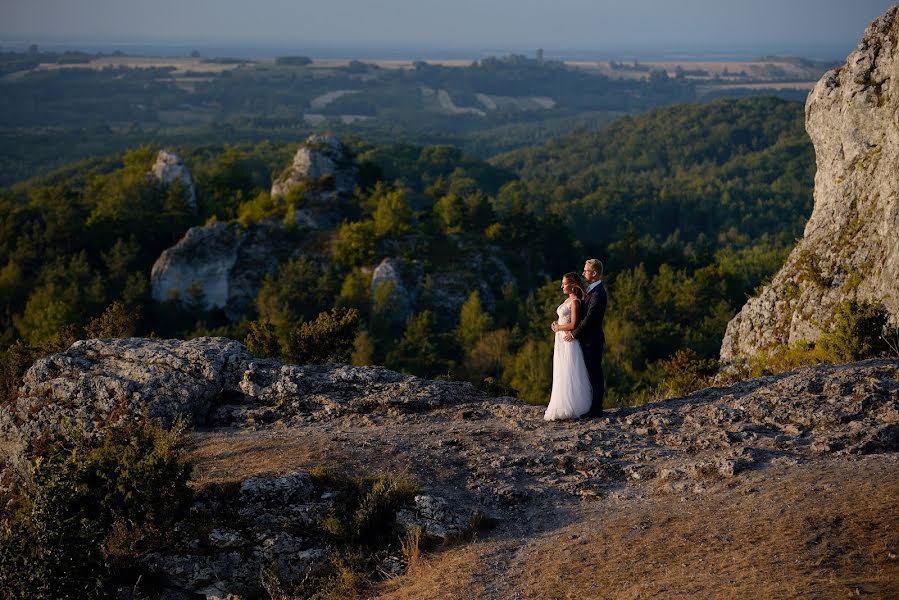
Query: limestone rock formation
{"points": [[443, 292], [323, 165], [850, 248], [403, 278], [96, 383], [221, 264], [170, 167]]}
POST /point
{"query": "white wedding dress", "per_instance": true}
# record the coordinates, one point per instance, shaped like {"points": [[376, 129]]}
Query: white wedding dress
{"points": [[572, 394]]}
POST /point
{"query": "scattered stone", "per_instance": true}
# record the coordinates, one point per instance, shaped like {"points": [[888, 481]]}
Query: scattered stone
{"points": [[223, 538], [436, 518]]}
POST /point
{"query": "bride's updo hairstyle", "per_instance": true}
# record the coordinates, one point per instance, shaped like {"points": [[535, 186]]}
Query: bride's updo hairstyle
{"points": [[579, 290]]}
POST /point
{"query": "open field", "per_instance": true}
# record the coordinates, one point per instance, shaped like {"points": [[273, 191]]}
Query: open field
{"points": [[744, 72], [702, 90], [332, 63], [181, 65]]}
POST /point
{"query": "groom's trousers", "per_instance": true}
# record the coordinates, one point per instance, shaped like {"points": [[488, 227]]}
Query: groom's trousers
{"points": [[593, 361]]}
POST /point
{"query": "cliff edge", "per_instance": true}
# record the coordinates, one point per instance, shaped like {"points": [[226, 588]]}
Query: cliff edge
{"points": [[850, 247]]}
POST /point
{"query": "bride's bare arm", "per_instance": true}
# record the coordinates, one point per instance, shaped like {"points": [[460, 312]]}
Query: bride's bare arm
{"points": [[575, 315]]}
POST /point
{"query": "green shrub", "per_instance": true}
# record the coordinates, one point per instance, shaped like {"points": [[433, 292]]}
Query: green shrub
{"points": [[685, 372], [260, 207], [262, 340], [417, 351], [116, 321], [360, 527], [329, 338], [16, 359], [354, 244], [783, 358], [857, 331], [529, 372], [364, 514], [86, 514]]}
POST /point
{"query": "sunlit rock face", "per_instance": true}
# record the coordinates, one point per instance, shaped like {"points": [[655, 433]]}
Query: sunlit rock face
{"points": [[322, 165], [850, 248], [168, 168], [219, 266]]}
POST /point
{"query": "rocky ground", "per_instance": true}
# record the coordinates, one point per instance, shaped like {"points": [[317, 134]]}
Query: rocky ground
{"points": [[784, 486]]}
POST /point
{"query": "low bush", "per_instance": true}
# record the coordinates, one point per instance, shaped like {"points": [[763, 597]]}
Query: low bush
{"points": [[361, 529], [87, 514], [16, 359], [329, 338], [857, 332], [685, 372], [117, 321]]}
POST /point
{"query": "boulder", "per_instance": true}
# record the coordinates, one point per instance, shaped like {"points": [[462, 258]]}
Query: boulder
{"points": [[96, 383]]}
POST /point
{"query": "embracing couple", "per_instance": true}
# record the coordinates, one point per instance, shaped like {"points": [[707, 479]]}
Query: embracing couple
{"points": [[578, 383]]}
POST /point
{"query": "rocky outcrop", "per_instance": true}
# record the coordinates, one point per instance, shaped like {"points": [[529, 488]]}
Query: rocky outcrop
{"points": [[443, 292], [322, 166], [220, 265], [97, 383], [169, 167], [402, 279], [850, 248], [260, 424]]}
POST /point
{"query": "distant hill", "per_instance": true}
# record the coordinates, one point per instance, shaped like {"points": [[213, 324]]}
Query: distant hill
{"points": [[696, 169]]}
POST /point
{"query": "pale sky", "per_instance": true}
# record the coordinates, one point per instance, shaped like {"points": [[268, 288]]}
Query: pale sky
{"points": [[669, 25]]}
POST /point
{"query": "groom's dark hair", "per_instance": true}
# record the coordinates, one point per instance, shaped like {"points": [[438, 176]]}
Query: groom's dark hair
{"points": [[596, 265]]}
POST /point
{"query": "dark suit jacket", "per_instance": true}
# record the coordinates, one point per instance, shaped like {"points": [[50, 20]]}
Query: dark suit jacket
{"points": [[589, 331]]}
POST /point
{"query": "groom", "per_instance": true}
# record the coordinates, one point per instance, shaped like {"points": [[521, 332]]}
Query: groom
{"points": [[589, 332]]}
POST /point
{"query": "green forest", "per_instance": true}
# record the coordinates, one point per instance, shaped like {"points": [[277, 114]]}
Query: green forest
{"points": [[691, 208]]}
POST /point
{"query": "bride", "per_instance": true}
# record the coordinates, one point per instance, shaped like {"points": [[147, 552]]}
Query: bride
{"points": [[571, 395]]}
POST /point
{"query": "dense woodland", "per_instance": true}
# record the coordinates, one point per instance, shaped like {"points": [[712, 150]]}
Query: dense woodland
{"points": [[690, 207]]}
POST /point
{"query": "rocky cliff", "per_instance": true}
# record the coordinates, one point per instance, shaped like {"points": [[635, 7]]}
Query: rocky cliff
{"points": [[850, 248], [169, 167], [323, 167], [221, 264], [262, 425]]}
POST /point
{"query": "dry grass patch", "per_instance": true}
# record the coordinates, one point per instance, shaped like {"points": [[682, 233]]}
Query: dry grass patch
{"points": [[828, 530], [235, 456]]}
